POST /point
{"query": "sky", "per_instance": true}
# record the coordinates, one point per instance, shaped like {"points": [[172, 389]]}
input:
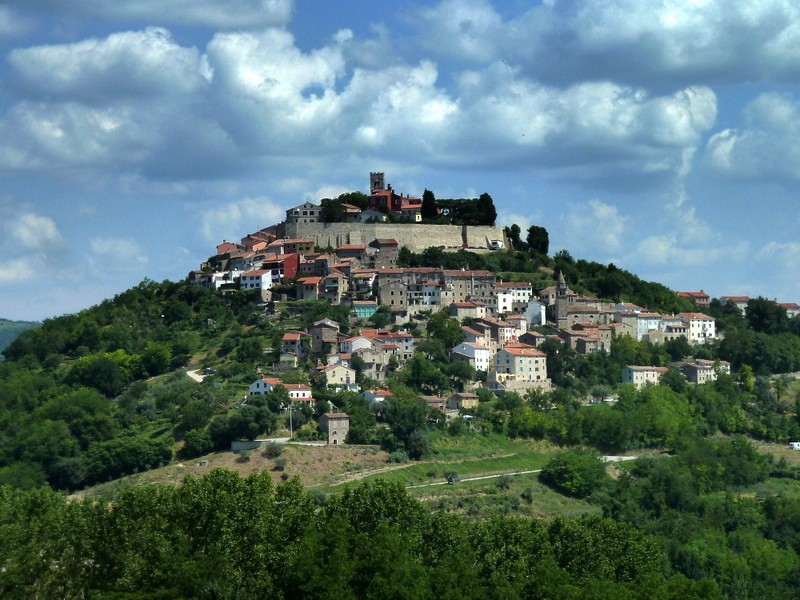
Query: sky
{"points": [[660, 135]]}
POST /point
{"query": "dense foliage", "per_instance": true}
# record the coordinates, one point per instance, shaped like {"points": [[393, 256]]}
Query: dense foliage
{"points": [[90, 397], [223, 536]]}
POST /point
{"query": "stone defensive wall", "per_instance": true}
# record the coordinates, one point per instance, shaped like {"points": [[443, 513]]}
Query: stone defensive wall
{"points": [[416, 237]]}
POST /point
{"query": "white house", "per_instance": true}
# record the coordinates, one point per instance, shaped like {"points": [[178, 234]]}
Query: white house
{"points": [[376, 396], [477, 355], [351, 344], [298, 392], [641, 376], [304, 213], [702, 328], [425, 293], [511, 296], [258, 279]]}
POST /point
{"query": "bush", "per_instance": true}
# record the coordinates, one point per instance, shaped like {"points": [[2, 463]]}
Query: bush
{"points": [[280, 464], [398, 456], [196, 443], [273, 450], [577, 473]]}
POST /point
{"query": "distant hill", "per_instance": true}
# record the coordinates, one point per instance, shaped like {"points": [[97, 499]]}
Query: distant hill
{"points": [[9, 330]]}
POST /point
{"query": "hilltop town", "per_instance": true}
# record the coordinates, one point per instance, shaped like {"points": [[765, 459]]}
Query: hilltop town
{"points": [[328, 351], [353, 262]]}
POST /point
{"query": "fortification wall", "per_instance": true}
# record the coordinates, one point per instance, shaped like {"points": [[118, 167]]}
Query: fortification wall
{"points": [[416, 237]]}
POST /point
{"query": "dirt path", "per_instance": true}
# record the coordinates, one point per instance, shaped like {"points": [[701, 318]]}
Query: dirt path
{"points": [[195, 375]]}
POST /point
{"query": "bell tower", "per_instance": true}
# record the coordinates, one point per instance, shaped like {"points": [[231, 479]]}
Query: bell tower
{"points": [[377, 182]]}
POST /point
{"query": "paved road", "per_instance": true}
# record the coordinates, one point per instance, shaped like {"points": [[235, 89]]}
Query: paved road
{"points": [[464, 479]]}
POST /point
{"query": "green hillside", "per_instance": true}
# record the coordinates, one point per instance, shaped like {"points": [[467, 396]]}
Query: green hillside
{"points": [[9, 330], [89, 398]]}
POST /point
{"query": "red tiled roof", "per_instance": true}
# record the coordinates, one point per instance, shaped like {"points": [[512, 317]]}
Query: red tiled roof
{"points": [[518, 349]]}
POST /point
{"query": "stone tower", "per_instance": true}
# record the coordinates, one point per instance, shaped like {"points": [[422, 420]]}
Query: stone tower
{"points": [[376, 182]]}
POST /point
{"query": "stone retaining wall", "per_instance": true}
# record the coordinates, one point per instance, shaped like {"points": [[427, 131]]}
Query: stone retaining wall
{"points": [[416, 237]]}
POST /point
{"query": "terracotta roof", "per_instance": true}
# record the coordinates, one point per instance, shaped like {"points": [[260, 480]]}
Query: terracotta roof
{"points": [[256, 273], [518, 349], [695, 316]]}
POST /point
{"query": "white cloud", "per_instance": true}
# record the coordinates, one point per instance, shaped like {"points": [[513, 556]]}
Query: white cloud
{"points": [[19, 270], [658, 43], [224, 14], [594, 227], [766, 145], [116, 252], [788, 253], [139, 104], [462, 29], [32, 245], [507, 218], [668, 249], [136, 64], [35, 232], [234, 220]]}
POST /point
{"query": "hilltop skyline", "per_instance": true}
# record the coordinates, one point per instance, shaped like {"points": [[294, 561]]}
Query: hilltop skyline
{"points": [[136, 136]]}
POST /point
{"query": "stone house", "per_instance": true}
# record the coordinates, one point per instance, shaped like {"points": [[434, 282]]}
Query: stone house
{"points": [[519, 367], [336, 425], [463, 401], [324, 332]]}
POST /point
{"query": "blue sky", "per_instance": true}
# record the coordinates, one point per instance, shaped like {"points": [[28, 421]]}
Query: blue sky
{"points": [[134, 136]]}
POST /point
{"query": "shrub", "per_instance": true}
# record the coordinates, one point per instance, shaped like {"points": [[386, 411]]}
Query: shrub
{"points": [[280, 464], [398, 456], [577, 473], [273, 450], [504, 482]]}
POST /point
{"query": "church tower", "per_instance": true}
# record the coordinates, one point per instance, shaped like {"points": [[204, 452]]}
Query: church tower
{"points": [[377, 182]]}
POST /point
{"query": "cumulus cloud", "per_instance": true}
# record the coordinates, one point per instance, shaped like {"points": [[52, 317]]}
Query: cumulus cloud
{"points": [[463, 29], [660, 43], [594, 227], [35, 232], [223, 14], [31, 244], [669, 249], [234, 220], [128, 64], [766, 145], [139, 103]]}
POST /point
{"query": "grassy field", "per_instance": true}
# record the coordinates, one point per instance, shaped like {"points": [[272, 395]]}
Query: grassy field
{"points": [[520, 495]]}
